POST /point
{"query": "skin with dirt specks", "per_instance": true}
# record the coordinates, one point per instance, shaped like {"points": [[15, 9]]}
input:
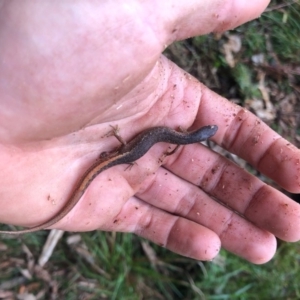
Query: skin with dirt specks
{"points": [[127, 154]]}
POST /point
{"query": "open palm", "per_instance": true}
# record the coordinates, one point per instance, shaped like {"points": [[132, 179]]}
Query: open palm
{"points": [[69, 71]]}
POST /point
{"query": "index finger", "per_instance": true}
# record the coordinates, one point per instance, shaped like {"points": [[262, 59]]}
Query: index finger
{"points": [[245, 135]]}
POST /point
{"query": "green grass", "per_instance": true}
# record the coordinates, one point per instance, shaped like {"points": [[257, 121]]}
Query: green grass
{"points": [[275, 36], [116, 267]]}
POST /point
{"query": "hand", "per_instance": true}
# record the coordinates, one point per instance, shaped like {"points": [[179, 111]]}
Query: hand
{"points": [[69, 70]]}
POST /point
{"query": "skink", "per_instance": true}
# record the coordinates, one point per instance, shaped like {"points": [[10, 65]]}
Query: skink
{"points": [[127, 154]]}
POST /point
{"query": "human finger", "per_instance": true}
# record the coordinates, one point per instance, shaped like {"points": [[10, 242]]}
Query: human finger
{"points": [[192, 18], [175, 233], [171, 192], [245, 135], [244, 193]]}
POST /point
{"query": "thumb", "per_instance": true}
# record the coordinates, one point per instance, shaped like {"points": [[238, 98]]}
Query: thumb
{"points": [[185, 19]]}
